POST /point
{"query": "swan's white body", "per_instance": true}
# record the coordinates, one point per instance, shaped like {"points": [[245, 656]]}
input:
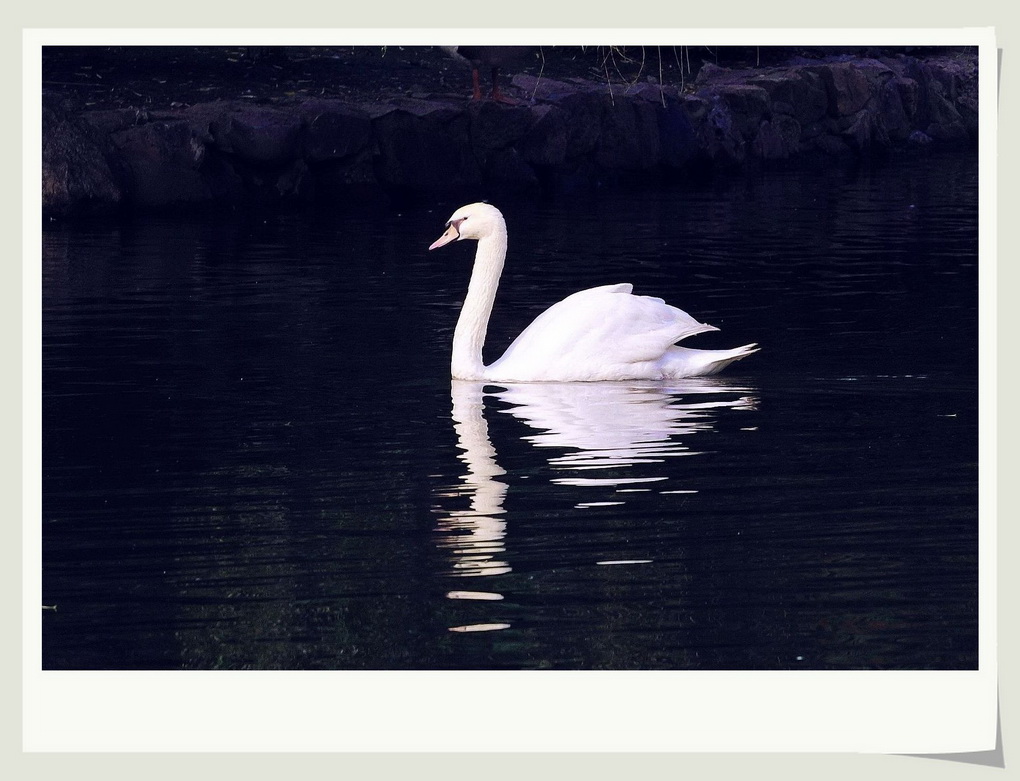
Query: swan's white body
{"points": [[603, 333]]}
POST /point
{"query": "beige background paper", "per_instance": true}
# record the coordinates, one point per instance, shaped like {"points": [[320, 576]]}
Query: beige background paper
{"points": [[866, 14]]}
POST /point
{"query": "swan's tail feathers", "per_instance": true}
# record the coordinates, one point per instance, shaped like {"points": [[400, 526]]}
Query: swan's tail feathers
{"points": [[689, 362]]}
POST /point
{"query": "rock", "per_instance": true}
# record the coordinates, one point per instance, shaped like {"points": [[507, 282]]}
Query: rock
{"points": [[968, 108], [945, 121], [825, 126], [797, 92], [584, 123], [543, 89], [106, 122], [545, 142], [847, 87], [696, 109], [747, 105], [778, 139], [334, 132], [893, 100], [935, 114], [258, 135], [75, 169], [831, 146], [677, 138], [574, 134], [495, 126], [710, 72], [651, 92], [162, 162], [768, 145], [959, 77], [418, 153], [866, 133], [649, 139], [720, 134], [295, 181], [618, 146]]}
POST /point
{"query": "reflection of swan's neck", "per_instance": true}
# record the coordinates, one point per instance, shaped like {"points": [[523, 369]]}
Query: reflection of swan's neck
{"points": [[479, 454], [469, 335], [475, 537]]}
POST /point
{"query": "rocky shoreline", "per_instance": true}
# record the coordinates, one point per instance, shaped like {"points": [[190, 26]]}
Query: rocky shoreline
{"points": [[560, 134]]}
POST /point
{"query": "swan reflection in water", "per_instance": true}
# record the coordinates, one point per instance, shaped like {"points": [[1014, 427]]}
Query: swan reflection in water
{"points": [[589, 426]]}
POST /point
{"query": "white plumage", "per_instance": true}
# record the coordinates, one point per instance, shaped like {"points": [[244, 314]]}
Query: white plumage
{"points": [[603, 333]]}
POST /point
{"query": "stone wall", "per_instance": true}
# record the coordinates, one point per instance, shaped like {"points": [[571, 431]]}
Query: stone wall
{"points": [[568, 134]]}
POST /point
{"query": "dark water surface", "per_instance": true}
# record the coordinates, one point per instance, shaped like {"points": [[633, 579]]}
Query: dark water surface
{"points": [[253, 455]]}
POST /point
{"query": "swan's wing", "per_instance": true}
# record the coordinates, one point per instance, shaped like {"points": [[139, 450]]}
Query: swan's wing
{"points": [[599, 329], [621, 287]]}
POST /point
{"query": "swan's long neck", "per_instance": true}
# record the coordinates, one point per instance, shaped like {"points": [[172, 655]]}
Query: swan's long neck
{"points": [[469, 335]]}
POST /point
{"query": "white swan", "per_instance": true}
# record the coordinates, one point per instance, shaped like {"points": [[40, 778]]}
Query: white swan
{"points": [[603, 333]]}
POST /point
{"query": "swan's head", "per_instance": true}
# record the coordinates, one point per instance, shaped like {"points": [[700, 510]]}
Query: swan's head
{"points": [[474, 221]]}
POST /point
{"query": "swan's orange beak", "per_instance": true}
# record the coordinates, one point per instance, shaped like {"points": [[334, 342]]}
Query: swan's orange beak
{"points": [[451, 234]]}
